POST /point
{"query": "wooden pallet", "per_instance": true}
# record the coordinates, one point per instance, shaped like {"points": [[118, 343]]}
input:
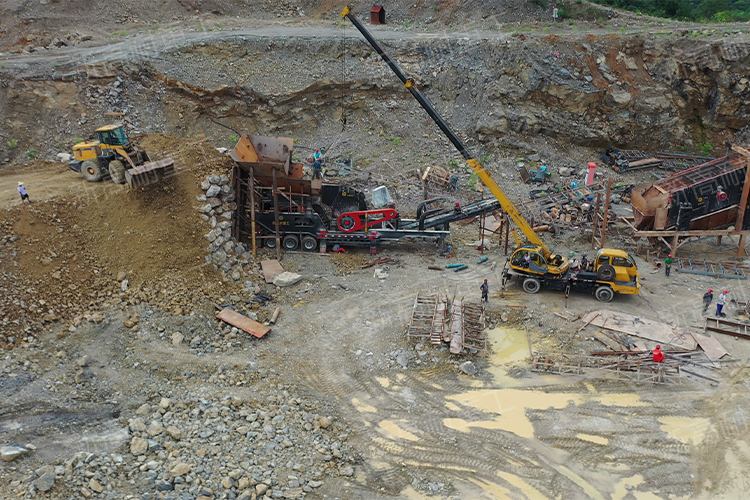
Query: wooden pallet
{"points": [[438, 324], [641, 370], [474, 326], [422, 318]]}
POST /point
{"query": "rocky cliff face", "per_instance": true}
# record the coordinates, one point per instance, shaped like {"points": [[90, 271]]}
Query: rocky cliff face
{"points": [[635, 92]]}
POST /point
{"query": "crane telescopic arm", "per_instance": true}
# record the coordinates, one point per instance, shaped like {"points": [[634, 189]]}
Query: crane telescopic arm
{"points": [[475, 165]]}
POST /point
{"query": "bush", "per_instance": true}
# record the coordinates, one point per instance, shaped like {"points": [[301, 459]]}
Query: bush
{"points": [[13, 144]]}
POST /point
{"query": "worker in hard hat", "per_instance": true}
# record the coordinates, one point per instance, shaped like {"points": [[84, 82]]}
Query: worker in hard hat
{"points": [[668, 264], [658, 356], [720, 303], [708, 297]]}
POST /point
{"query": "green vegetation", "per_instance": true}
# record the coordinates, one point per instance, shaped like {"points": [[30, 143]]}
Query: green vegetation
{"points": [[706, 148], [721, 11], [473, 181], [13, 144], [77, 140], [395, 140], [233, 139], [31, 153]]}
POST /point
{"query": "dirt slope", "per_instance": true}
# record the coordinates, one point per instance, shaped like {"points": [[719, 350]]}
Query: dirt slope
{"points": [[69, 251]]}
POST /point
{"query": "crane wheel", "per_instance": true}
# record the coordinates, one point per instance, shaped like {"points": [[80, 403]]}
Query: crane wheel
{"points": [[117, 171], [606, 273], [290, 242], [92, 170], [531, 285], [309, 243], [604, 293]]}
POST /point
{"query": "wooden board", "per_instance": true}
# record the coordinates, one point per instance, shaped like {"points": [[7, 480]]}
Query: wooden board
{"points": [[271, 269], [457, 328], [713, 349], [640, 327], [243, 323]]}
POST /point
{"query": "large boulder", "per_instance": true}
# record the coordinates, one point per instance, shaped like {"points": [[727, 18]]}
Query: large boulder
{"points": [[287, 279]]}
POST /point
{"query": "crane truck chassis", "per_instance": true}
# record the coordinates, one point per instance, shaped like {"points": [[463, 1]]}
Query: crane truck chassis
{"points": [[552, 270]]}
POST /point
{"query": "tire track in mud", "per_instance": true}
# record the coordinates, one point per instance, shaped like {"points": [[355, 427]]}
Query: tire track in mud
{"points": [[417, 401]]}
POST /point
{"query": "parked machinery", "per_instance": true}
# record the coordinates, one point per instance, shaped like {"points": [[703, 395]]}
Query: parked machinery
{"points": [[112, 154], [549, 269]]}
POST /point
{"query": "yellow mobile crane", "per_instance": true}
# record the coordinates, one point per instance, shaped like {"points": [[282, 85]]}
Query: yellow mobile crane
{"points": [[535, 265]]}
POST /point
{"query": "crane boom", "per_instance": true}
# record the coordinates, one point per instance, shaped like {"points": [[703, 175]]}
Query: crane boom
{"points": [[475, 165]]}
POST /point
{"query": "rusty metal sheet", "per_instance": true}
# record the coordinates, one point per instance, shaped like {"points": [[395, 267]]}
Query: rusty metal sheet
{"points": [[660, 220], [702, 173], [640, 327], [713, 349], [271, 269], [243, 323]]}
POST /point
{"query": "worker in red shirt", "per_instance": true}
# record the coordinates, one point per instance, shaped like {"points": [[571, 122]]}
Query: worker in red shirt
{"points": [[658, 355]]}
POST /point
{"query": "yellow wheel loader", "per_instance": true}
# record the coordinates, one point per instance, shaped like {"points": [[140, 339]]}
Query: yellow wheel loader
{"points": [[111, 154]]}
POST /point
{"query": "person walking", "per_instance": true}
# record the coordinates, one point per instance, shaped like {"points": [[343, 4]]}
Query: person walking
{"points": [[485, 291], [23, 193], [720, 303], [708, 297], [658, 356], [668, 264]]}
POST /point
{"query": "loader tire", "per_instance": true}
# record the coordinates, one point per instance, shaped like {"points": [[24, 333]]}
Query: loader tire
{"points": [[117, 171], [92, 170]]}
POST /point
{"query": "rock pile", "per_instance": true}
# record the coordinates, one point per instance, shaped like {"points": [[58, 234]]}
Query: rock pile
{"points": [[225, 253], [271, 446]]}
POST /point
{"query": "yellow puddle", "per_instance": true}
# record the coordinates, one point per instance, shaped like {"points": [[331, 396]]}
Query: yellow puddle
{"points": [[645, 495], [511, 405], [585, 486], [411, 494], [511, 348], [457, 468], [686, 429], [493, 489], [528, 490], [452, 406], [621, 490], [363, 407], [393, 431], [593, 439], [383, 381]]}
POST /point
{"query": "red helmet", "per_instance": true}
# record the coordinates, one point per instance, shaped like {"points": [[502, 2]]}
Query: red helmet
{"points": [[710, 291], [726, 291], [658, 347]]}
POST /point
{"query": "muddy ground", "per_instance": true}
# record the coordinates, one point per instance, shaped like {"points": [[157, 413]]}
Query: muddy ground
{"points": [[421, 431], [120, 383]]}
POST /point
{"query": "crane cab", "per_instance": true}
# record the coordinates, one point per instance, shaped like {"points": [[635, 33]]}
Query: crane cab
{"points": [[531, 261]]}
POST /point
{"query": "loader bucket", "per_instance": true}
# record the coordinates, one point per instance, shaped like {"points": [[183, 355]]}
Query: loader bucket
{"points": [[149, 173]]}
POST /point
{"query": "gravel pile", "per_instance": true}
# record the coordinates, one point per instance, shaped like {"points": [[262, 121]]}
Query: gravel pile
{"points": [[272, 445]]}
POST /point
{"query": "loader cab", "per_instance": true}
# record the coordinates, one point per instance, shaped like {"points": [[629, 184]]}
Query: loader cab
{"points": [[112, 135]]}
